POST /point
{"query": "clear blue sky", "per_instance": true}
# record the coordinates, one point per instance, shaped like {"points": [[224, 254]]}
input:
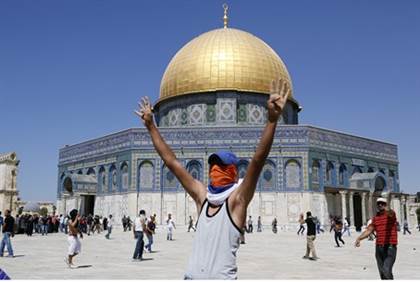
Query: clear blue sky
{"points": [[74, 70]]}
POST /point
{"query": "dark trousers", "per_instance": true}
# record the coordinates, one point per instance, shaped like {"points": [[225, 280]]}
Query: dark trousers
{"points": [[385, 258], [138, 252], [337, 237], [301, 228]]}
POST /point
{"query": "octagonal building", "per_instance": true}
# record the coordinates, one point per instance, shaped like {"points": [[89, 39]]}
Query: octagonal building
{"points": [[213, 96]]}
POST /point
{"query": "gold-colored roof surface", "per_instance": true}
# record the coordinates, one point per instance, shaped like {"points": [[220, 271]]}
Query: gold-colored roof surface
{"points": [[222, 59]]}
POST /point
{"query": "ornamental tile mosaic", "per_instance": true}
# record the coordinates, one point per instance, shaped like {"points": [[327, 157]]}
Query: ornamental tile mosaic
{"points": [[197, 114], [256, 114], [226, 111]]}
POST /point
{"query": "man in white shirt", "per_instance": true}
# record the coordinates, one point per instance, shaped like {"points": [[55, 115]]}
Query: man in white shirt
{"points": [[138, 230], [170, 226], [109, 226]]}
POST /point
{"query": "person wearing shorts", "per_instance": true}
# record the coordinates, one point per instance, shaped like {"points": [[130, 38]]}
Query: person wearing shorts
{"points": [[75, 246]]}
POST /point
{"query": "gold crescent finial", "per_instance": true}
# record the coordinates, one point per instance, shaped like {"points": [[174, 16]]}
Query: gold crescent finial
{"points": [[225, 17]]}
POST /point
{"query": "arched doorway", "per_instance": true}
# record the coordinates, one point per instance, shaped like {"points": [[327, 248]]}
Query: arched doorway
{"points": [[357, 208]]}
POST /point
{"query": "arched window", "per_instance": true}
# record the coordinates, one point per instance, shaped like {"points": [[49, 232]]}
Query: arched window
{"points": [[380, 184], [342, 174], [91, 171], [330, 172], [68, 185], [112, 178], [370, 169], [80, 171], [124, 176], [242, 167], [292, 174], [101, 179], [316, 171], [169, 180], [356, 169], [268, 176], [194, 168], [146, 170]]}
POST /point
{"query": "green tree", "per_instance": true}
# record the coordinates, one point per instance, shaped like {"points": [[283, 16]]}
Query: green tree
{"points": [[43, 211], [418, 215]]}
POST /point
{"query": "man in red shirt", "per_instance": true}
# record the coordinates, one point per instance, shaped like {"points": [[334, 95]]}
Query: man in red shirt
{"points": [[385, 226]]}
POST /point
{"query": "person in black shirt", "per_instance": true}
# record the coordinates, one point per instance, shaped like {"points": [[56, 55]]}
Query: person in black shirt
{"points": [[8, 232], [310, 236]]}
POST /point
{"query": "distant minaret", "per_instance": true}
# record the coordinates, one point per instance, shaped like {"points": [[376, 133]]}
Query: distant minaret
{"points": [[8, 184]]}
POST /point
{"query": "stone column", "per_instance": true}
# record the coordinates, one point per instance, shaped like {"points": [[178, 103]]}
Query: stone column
{"points": [[364, 194], [351, 208], [370, 207], [343, 204], [396, 206]]}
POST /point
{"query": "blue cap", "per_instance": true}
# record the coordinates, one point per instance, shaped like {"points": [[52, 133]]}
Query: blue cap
{"points": [[226, 157]]}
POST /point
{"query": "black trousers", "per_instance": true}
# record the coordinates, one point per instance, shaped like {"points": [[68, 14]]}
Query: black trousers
{"points": [[385, 258], [337, 235]]}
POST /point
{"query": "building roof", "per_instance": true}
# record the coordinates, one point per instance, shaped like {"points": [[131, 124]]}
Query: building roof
{"points": [[223, 59]]}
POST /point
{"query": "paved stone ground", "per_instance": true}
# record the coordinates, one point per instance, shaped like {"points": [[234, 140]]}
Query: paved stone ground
{"points": [[264, 256]]}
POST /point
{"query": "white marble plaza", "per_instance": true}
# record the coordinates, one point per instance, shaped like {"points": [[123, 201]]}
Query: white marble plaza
{"points": [[264, 256]]}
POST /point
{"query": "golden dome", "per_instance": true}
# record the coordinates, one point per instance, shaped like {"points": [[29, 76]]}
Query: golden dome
{"points": [[222, 59]]}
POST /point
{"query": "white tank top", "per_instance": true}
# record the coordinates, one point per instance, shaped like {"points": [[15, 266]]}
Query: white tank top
{"points": [[215, 245]]}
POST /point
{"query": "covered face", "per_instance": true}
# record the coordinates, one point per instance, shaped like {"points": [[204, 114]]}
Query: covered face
{"points": [[223, 169]]}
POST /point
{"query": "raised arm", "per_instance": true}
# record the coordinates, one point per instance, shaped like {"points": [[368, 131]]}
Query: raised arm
{"points": [[280, 92], [193, 187], [241, 197]]}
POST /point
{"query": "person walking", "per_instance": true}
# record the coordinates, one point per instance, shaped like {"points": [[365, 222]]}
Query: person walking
{"points": [[89, 221], [222, 206], [44, 226], [109, 226], [139, 227], [97, 225], [150, 230], [191, 224], [75, 246], [250, 225], [385, 226], [259, 224], [301, 226], [8, 232], [310, 236], [66, 224], [338, 227], [274, 225], [105, 223], [1, 222], [347, 226], [332, 223], [318, 226], [170, 226], [129, 223], [124, 223], [405, 226]]}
